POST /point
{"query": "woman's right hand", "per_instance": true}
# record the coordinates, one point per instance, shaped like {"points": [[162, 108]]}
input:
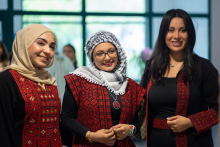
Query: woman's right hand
{"points": [[104, 136]]}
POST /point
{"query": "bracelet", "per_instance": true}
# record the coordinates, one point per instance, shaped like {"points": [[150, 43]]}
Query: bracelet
{"points": [[131, 132], [88, 137]]}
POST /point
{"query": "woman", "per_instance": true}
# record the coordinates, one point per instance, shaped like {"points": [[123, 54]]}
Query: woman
{"points": [[29, 101], [182, 88], [100, 103], [70, 52], [3, 56]]}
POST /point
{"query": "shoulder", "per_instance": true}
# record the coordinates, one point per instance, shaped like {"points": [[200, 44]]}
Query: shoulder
{"points": [[6, 76], [205, 64], [133, 83]]}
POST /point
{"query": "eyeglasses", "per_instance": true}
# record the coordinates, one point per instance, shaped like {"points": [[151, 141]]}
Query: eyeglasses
{"points": [[101, 55]]}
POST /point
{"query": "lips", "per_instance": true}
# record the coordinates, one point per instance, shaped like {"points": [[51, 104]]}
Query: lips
{"points": [[176, 43], [108, 64], [43, 58]]}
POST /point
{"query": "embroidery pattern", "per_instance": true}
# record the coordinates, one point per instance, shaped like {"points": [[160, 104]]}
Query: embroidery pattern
{"points": [[94, 103], [42, 110]]}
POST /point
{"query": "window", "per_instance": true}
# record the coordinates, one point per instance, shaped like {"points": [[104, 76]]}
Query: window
{"points": [[135, 23]]}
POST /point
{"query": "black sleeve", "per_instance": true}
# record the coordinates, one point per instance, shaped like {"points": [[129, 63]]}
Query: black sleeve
{"points": [[69, 124], [135, 121]]}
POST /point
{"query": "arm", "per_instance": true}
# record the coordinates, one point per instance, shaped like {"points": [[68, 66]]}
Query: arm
{"points": [[204, 120], [69, 122], [6, 114]]}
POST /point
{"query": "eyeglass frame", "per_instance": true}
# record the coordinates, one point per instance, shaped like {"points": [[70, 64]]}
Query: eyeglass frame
{"points": [[107, 53]]}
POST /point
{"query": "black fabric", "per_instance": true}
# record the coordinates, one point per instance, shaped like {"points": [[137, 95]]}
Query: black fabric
{"points": [[203, 92], [12, 112], [69, 125]]}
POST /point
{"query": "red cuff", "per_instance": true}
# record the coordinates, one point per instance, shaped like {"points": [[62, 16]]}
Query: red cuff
{"points": [[204, 120]]}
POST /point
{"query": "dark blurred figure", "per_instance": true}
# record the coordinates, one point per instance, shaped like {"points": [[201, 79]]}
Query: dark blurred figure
{"points": [[3, 56], [70, 51]]}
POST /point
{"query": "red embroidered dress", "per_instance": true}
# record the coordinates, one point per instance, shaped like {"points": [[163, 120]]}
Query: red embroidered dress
{"points": [[42, 111], [94, 107]]}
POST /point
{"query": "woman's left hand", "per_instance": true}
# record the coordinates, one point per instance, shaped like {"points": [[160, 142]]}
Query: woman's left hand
{"points": [[179, 123], [121, 131]]}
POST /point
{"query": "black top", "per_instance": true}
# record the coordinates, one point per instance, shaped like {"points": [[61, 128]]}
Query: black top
{"points": [[203, 94], [163, 102], [70, 125]]}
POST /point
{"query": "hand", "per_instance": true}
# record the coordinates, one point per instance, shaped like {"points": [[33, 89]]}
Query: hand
{"points": [[104, 136], [121, 131], [179, 123]]}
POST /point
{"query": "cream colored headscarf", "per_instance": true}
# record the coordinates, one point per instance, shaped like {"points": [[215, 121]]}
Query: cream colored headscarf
{"points": [[20, 59]]}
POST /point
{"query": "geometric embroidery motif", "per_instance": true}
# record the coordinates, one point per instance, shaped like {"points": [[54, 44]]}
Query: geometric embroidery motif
{"points": [[42, 107]]}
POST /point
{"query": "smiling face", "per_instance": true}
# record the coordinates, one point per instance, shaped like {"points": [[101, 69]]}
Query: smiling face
{"points": [[109, 61], [177, 36], [42, 50]]}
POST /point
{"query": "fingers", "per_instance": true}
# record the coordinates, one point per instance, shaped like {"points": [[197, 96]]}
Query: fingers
{"points": [[110, 134], [172, 118]]}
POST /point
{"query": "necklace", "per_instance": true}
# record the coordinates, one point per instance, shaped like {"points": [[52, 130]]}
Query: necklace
{"points": [[175, 65], [116, 104]]}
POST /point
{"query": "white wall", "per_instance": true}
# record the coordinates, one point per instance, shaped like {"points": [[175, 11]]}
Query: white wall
{"points": [[215, 33]]}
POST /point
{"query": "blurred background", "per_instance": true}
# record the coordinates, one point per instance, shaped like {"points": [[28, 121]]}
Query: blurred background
{"points": [[134, 22]]}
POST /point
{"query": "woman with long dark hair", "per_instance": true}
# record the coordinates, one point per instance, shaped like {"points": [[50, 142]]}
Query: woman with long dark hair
{"points": [[182, 88], [3, 56]]}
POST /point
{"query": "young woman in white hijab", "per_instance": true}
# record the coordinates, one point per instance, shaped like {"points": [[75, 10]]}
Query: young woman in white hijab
{"points": [[29, 101], [101, 103]]}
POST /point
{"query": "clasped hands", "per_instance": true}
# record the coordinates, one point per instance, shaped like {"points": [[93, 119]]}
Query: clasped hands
{"points": [[109, 136], [179, 123]]}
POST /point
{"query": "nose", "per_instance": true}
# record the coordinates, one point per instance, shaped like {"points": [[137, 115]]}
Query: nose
{"points": [[46, 50], [176, 34], [107, 57]]}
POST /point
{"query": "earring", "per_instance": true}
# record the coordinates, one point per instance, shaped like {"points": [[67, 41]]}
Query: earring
{"points": [[118, 62]]}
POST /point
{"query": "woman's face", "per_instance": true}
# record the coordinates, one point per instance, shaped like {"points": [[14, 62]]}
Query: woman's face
{"points": [[105, 56], [42, 50], [69, 52], [177, 36]]}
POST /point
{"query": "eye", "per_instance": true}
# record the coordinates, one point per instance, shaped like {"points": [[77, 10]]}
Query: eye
{"points": [[53, 47], [40, 43], [183, 30], [99, 54], [111, 51], [170, 30]]}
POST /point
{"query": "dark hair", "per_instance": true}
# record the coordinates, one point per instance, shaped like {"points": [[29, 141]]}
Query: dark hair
{"points": [[72, 47], [159, 61], [4, 56]]}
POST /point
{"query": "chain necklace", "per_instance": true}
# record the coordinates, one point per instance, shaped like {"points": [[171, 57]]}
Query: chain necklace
{"points": [[116, 104], [173, 65]]}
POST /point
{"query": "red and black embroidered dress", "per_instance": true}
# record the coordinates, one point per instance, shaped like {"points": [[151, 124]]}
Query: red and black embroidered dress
{"points": [[196, 100], [93, 107], [29, 114]]}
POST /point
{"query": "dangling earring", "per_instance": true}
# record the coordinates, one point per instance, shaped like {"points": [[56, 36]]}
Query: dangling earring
{"points": [[118, 62]]}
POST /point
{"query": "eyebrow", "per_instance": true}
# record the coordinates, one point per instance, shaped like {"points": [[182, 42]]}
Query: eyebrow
{"points": [[107, 50], [46, 40]]}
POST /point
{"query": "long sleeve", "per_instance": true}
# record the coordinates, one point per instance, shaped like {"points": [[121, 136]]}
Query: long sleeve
{"points": [[12, 112], [206, 119], [6, 115], [69, 124]]}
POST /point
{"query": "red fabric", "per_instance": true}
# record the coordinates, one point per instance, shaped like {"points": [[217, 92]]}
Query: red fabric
{"points": [[181, 108], [94, 107], [204, 120], [160, 124], [42, 112]]}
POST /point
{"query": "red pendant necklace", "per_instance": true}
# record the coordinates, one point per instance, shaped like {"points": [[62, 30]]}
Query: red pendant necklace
{"points": [[116, 104]]}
